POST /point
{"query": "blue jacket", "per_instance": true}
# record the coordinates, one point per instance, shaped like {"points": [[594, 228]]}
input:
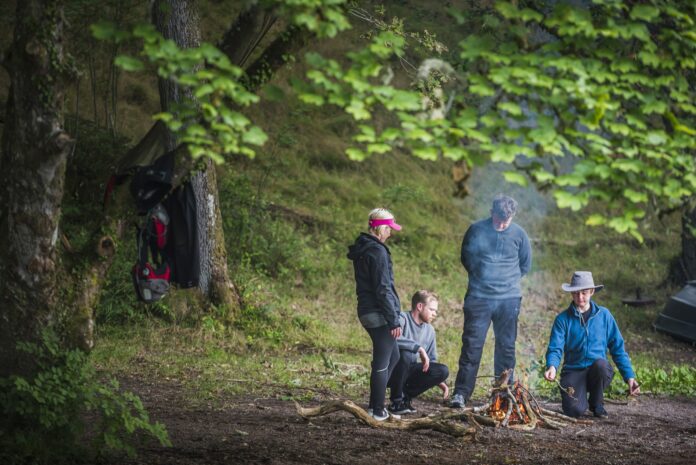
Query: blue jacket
{"points": [[582, 345], [495, 260]]}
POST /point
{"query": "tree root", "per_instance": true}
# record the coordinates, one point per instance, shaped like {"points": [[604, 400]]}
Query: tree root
{"points": [[434, 423]]}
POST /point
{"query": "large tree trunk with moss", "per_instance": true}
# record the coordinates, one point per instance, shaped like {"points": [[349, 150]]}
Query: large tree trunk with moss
{"points": [[35, 148], [177, 20]]}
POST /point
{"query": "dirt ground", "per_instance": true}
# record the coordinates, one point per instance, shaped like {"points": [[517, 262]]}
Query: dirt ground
{"points": [[649, 430]]}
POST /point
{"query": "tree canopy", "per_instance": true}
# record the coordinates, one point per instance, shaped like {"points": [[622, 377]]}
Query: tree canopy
{"points": [[593, 100]]}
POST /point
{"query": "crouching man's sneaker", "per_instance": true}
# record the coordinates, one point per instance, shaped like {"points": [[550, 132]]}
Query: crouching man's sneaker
{"points": [[457, 401], [600, 413], [401, 407]]}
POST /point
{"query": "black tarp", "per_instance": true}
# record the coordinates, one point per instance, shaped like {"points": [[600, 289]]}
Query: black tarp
{"points": [[679, 315]]}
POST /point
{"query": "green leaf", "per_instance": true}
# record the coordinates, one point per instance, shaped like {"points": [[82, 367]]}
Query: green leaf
{"points": [[507, 9], [515, 178], [527, 14], [104, 30], [312, 99], [254, 135], [510, 107], [644, 12], [378, 148], [595, 220], [634, 196], [656, 137], [426, 153], [355, 154], [569, 200], [622, 224]]}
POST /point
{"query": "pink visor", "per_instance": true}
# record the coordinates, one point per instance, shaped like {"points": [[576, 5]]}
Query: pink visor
{"points": [[385, 222]]}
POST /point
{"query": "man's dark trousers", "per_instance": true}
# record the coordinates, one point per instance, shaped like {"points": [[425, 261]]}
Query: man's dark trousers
{"points": [[408, 380], [592, 380], [478, 315]]}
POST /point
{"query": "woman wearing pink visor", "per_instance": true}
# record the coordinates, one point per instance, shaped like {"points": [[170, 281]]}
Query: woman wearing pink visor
{"points": [[378, 302]]}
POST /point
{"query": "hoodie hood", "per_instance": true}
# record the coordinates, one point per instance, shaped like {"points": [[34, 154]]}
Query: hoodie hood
{"points": [[362, 244]]}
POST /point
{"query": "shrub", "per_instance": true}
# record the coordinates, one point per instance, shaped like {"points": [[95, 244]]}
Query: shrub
{"points": [[45, 417], [679, 380]]}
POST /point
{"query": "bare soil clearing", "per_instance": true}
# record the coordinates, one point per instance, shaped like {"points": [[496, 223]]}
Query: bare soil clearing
{"points": [[649, 430]]}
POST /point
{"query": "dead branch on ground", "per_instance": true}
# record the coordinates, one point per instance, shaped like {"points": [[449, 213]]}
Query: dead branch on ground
{"points": [[441, 425]]}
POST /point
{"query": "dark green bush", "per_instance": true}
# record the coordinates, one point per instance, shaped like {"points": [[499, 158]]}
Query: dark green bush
{"points": [[46, 417]]}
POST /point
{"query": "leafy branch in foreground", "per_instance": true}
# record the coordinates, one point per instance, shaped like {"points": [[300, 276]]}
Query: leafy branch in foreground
{"points": [[46, 417], [595, 102], [211, 124]]}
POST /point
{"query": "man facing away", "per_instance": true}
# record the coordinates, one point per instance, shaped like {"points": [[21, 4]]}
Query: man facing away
{"points": [[418, 369], [496, 254], [582, 334]]}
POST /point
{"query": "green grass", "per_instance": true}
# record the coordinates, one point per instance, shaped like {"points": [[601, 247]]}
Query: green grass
{"points": [[298, 335]]}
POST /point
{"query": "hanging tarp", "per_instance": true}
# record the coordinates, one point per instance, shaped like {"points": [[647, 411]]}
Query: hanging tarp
{"points": [[678, 318]]}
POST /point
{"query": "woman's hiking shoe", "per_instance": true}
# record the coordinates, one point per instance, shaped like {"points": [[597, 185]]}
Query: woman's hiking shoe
{"points": [[457, 401], [401, 407], [600, 413], [381, 414]]}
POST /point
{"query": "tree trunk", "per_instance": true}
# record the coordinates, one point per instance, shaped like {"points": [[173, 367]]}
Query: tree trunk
{"points": [[687, 263], [177, 20], [242, 39], [35, 148]]}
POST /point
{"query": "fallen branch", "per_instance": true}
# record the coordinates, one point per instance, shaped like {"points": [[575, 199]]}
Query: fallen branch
{"points": [[565, 418], [442, 426]]}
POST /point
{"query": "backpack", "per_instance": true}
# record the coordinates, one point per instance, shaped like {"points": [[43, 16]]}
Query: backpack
{"points": [[151, 273], [167, 241]]}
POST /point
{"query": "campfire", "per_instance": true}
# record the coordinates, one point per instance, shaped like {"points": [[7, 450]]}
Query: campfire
{"points": [[509, 406]]}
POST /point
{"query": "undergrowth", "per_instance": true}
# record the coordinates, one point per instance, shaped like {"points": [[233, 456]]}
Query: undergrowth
{"points": [[47, 417]]}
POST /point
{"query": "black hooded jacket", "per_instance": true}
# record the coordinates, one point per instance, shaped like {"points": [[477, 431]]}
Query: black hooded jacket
{"points": [[374, 279]]}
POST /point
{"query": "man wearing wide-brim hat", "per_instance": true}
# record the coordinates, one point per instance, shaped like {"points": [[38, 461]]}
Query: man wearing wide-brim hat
{"points": [[582, 334]]}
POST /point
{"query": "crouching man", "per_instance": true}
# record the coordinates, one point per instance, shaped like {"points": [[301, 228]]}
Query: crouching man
{"points": [[583, 333], [417, 370]]}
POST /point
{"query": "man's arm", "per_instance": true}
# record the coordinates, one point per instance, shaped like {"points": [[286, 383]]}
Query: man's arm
{"points": [[406, 341], [525, 254], [615, 343], [466, 255], [555, 349]]}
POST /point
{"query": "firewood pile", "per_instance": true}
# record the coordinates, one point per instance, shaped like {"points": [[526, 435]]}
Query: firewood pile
{"points": [[509, 406]]}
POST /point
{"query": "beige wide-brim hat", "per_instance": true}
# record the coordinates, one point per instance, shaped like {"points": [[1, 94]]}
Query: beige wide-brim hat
{"points": [[581, 280]]}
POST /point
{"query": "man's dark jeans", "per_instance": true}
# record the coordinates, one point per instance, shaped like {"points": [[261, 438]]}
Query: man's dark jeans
{"points": [[592, 380], [478, 315], [408, 380]]}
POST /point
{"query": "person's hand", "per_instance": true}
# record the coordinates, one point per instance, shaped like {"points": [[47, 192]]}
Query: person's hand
{"points": [[424, 359], [550, 374], [633, 387], [445, 390], [395, 332]]}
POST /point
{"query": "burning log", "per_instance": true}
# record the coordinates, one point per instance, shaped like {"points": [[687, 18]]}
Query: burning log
{"points": [[511, 406]]}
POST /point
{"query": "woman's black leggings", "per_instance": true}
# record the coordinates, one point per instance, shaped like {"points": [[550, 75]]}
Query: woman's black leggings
{"points": [[385, 356]]}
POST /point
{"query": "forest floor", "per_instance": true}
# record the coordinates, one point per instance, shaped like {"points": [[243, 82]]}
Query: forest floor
{"points": [[241, 430]]}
